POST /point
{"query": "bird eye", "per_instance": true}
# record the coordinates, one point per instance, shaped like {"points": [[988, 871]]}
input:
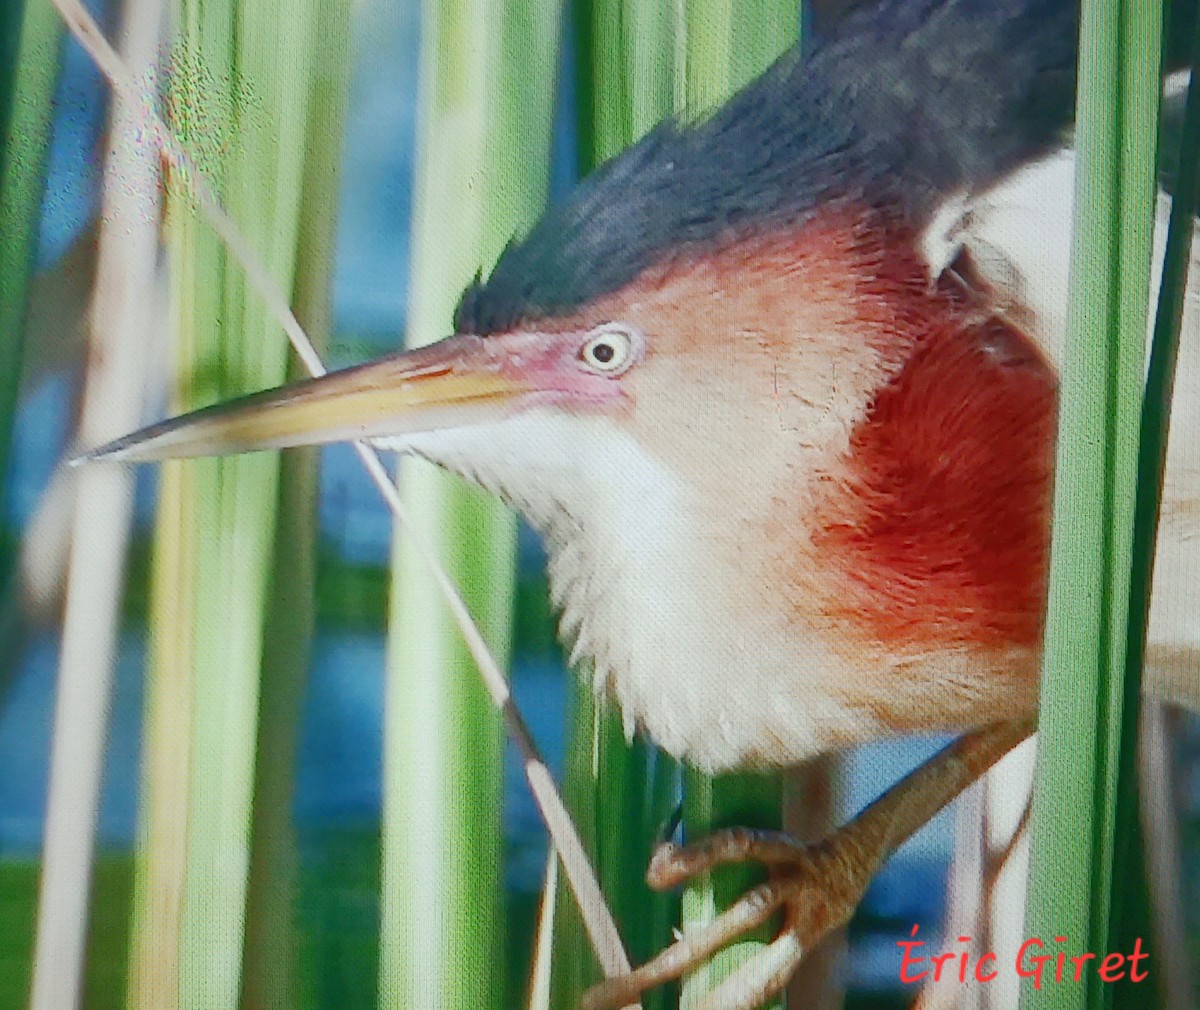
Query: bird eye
{"points": [[609, 351]]}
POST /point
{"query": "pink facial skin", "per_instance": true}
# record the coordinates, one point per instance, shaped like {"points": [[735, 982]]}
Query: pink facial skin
{"points": [[549, 365]]}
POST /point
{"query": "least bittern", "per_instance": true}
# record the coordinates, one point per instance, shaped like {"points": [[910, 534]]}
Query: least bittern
{"points": [[778, 388]]}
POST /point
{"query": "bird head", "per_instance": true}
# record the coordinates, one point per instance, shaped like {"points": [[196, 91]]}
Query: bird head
{"points": [[716, 284], [721, 377]]}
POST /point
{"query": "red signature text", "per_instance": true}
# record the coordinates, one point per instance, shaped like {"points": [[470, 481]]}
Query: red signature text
{"points": [[1034, 961]]}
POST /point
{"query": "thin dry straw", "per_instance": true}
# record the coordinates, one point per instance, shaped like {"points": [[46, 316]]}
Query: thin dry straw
{"points": [[101, 508], [602, 931]]}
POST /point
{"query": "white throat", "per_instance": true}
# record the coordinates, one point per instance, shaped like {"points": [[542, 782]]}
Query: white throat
{"points": [[611, 518], [639, 595]]}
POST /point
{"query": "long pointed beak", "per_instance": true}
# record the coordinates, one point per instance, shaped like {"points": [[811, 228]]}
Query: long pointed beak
{"points": [[453, 382]]}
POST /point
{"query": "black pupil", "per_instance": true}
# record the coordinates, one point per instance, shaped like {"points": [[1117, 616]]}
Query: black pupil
{"points": [[604, 353]]}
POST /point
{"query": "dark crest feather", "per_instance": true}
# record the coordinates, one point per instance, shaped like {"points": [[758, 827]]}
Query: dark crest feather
{"points": [[909, 102]]}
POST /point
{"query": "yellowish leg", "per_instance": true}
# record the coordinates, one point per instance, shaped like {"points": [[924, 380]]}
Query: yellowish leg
{"points": [[816, 886]]}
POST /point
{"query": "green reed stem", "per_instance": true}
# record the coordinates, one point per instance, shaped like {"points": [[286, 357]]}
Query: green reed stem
{"points": [[486, 107], [29, 61], [270, 978], [239, 99], [1088, 697]]}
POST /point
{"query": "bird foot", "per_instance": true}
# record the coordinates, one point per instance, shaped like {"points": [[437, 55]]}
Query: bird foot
{"points": [[816, 887]]}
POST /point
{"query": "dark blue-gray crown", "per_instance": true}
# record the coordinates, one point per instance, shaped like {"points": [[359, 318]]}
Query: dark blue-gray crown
{"points": [[909, 101]]}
